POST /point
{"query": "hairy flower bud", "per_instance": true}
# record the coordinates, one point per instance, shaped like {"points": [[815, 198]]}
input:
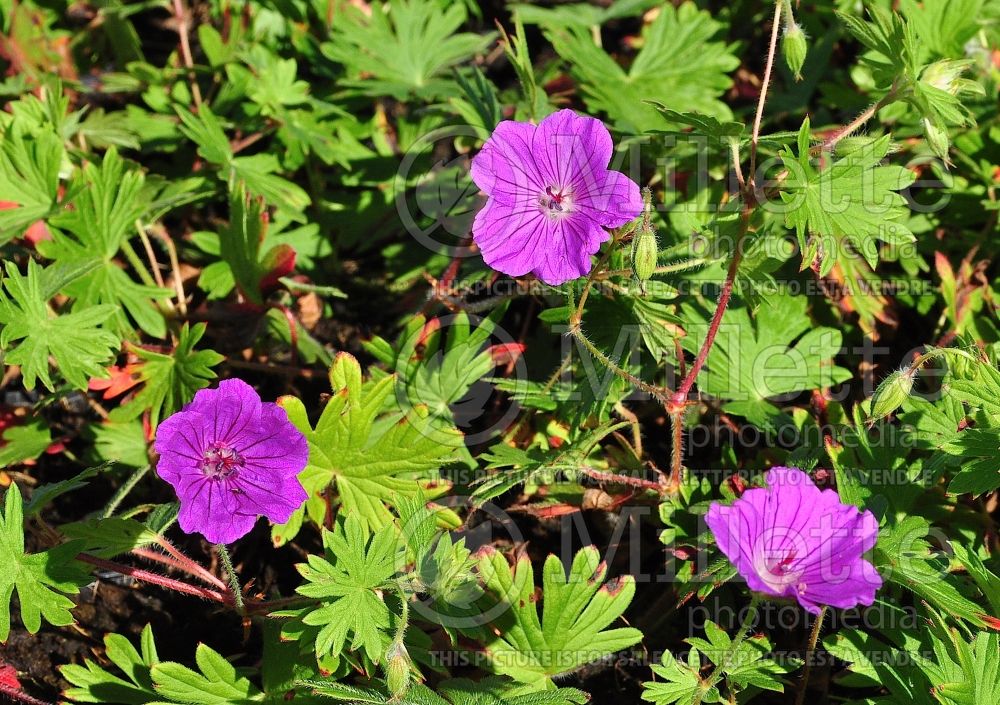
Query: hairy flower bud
{"points": [[397, 670], [794, 48], [644, 254], [937, 138], [891, 394]]}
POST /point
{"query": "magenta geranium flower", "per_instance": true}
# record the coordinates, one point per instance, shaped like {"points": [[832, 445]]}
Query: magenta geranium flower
{"points": [[231, 458], [794, 540], [551, 196]]}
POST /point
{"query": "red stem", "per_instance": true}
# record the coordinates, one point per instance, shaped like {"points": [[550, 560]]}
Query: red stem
{"points": [[181, 565], [618, 479], [20, 696], [679, 397], [675, 406], [225, 598], [156, 579], [193, 565]]}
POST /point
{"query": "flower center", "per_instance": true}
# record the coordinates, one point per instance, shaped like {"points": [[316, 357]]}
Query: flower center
{"points": [[221, 461], [555, 200], [777, 569]]}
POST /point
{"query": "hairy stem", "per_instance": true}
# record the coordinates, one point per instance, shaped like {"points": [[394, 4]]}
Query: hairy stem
{"points": [[191, 565], [123, 491], [734, 148], [938, 352], [675, 405], [633, 420], [404, 616], [655, 392], [577, 315], [234, 579], [169, 561], [19, 696], [680, 396], [863, 117], [676, 448], [765, 84], [619, 479], [663, 269], [810, 648], [155, 579]]}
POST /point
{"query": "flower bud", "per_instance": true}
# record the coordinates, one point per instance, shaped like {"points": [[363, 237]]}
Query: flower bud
{"points": [[794, 48], [644, 254], [397, 670], [945, 75], [937, 138], [891, 394]]}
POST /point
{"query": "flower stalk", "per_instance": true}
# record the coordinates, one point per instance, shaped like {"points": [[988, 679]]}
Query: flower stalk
{"points": [[234, 579], [765, 84], [810, 649], [154, 578]]}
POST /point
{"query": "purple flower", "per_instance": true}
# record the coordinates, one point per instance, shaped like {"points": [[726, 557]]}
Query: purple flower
{"points": [[551, 196], [231, 459], [793, 540]]}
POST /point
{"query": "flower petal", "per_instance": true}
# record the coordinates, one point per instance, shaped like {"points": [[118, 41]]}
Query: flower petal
{"points": [[273, 444], [571, 149], [613, 202], [208, 508], [735, 528], [857, 587], [505, 167], [227, 410], [261, 477], [795, 540], [573, 240], [261, 494], [512, 240]]}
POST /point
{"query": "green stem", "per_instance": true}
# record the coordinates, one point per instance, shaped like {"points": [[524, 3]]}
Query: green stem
{"points": [[865, 115], [938, 352], [123, 491], [234, 579], [810, 648], [664, 269], [137, 264], [404, 616], [611, 365], [759, 114], [741, 634]]}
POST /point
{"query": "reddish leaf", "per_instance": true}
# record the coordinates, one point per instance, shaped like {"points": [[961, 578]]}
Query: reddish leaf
{"points": [[36, 232], [506, 353], [279, 262], [122, 379], [8, 676], [991, 622], [430, 328]]}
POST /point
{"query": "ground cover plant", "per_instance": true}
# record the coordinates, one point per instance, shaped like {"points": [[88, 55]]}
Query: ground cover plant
{"points": [[452, 353]]}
